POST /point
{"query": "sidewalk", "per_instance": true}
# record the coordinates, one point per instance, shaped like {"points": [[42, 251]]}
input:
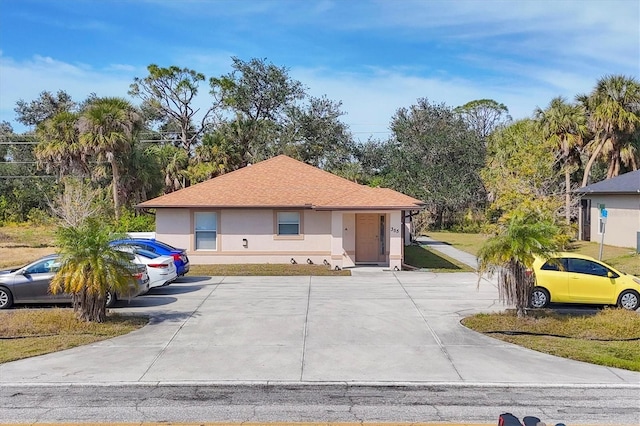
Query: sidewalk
{"points": [[444, 248]]}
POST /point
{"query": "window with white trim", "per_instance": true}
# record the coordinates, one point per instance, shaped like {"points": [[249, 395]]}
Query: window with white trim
{"points": [[288, 223], [206, 230]]}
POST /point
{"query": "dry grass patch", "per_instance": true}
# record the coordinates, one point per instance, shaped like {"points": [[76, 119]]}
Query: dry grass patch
{"points": [[15, 257], [611, 337], [30, 332], [26, 235], [21, 244], [265, 270]]}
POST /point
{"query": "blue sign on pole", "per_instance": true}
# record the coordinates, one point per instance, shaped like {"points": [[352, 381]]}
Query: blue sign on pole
{"points": [[604, 213]]}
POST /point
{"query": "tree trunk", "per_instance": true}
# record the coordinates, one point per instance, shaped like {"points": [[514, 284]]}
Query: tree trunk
{"points": [[186, 143], [89, 307], [116, 185], [567, 183], [437, 224], [614, 163], [592, 159], [567, 195]]}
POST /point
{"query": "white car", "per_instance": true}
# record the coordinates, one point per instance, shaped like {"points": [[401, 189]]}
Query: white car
{"points": [[161, 269]]}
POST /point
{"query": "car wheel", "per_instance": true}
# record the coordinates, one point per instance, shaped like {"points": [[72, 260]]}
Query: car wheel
{"points": [[540, 298], [629, 299], [110, 299], [6, 299]]}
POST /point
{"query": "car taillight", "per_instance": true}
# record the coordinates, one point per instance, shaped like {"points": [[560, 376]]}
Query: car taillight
{"points": [[138, 276], [176, 256], [157, 265]]}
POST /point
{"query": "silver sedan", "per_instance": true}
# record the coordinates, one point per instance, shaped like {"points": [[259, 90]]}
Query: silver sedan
{"points": [[30, 284]]}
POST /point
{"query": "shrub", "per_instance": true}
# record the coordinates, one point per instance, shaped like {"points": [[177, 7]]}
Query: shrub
{"points": [[38, 217], [131, 222]]}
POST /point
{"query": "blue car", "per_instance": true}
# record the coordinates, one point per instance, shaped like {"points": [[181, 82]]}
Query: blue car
{"points": [[179, 255]]}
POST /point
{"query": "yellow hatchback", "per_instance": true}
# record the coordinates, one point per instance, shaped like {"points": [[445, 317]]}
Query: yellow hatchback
{"points": [[574, 278]]}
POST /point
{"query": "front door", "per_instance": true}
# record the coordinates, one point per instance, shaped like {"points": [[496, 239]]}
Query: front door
{"points": [[367, 238]]}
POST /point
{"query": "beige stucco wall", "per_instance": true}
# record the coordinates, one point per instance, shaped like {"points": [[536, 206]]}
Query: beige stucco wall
{"points": [[325, 236], [395, 243], [173, 226], [348, 239], [623, 219]]}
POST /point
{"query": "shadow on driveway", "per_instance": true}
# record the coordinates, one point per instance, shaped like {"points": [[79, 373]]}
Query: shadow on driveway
{"points": [[184, 279]]}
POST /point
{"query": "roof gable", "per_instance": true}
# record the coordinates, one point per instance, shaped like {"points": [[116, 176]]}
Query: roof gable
{"points": [[283, 182], [627, 183]]}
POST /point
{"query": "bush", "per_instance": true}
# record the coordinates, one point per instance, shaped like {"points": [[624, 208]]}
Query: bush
{"points": [[470, 223], [131, 222], [38, 217]]}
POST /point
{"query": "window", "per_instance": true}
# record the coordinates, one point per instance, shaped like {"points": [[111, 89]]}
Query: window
{"points": [[582, 266], [555, 265], [288, 223], [206, 230], [44, 267]]}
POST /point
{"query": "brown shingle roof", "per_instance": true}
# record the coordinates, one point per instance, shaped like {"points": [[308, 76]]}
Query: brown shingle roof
{"points": [[284, 182]]}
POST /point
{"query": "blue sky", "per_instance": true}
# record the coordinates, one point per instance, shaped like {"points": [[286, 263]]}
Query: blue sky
{"points": [[374, 56]]}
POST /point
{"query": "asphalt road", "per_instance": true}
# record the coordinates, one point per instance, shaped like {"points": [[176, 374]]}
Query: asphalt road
{"points": [[571, 405]]}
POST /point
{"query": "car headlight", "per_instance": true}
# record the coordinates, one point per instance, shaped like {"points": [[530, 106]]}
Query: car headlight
{"points": [[637, 280]]}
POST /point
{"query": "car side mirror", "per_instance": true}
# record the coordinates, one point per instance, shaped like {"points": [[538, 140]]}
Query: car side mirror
{"points": [[611, 275]]}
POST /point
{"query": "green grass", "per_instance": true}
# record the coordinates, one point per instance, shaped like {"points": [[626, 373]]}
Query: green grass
{"points": [[30, 332], [624, 259], [269, 269], [584, 332], [424, 258], [470, 243]]}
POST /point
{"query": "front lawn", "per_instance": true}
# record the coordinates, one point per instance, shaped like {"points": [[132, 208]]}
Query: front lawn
{"points": [[424, 258], [30, 332], [611, 337], [622, 258]]}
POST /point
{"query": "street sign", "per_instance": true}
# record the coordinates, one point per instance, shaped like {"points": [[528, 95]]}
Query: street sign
{"points": [[604, 213]]}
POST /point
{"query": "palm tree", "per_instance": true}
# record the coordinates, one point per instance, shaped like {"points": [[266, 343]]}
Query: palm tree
{"points": [[614, 114], [59, 147], [173, 162], [89, 268], [107, 128], [511, 253], [565, 125]]}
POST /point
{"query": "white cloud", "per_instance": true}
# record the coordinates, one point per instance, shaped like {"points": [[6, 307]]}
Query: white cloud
{"points": [[370, 97], [27, 79], [371, 100]]}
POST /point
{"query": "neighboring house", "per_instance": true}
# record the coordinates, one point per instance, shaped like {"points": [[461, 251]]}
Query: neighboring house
{"points": [[282, 210], [620, 197]]}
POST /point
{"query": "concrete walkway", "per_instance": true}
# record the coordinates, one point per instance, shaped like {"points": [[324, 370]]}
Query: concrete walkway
{"points": [[449, 250], [375, 328]]}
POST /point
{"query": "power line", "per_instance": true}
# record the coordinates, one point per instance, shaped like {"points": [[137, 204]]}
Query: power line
{"points": [[30, 176]]}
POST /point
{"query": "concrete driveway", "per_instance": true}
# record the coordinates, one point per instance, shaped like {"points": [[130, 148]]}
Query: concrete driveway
{"points": [[373, 327]]}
